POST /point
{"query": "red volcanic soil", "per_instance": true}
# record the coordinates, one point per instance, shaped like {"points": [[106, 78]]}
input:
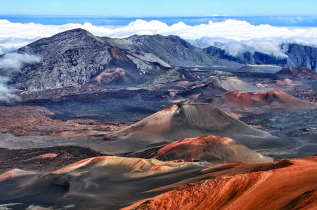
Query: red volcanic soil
{"points": [[47, 155], [214, 149], [282, 185], [118, 54], [266, 101], [108, 75], [34, 120], [14, 173], [300, 72]]}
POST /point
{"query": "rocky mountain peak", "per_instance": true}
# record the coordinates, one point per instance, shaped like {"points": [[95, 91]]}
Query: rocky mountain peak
{"points": [[75, 57]]}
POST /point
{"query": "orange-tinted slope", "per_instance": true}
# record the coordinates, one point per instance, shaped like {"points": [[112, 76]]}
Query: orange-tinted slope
{"points": [[214, 149], [14, 173], [293, 186], [269, 101], [108, 75]]}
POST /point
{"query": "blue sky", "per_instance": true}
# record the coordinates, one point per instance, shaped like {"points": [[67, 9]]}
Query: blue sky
{"points": [[148, 8]]}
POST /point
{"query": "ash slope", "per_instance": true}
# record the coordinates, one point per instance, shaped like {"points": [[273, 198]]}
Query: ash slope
{"points": [[105, 182], [192, 120], [178, 52], [114, 182]]}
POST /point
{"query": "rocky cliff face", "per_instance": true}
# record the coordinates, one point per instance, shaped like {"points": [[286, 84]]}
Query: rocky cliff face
{"points": [[76, 57], [297, 55], [300, 55]]}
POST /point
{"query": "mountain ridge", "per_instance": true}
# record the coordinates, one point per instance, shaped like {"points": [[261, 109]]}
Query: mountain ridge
{"points": [[172, 49], [77, 57]]}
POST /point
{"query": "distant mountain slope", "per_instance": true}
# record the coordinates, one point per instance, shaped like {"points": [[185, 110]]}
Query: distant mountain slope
{"points": [[297, 55], [301, 55], [256, 58], [75, 57], [172, 49], [178, 52]]}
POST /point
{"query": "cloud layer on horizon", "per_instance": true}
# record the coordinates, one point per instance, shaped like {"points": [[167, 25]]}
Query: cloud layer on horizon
{"points": [[232, 35]]}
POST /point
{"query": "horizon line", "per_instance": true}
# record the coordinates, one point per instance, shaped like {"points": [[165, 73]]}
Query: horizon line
{"points": [[185, 16]]}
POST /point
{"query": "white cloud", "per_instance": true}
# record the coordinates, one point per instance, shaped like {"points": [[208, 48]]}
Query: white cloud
{"points": [[10, 63], [233, 47], [14, 61], [6, 93]]}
